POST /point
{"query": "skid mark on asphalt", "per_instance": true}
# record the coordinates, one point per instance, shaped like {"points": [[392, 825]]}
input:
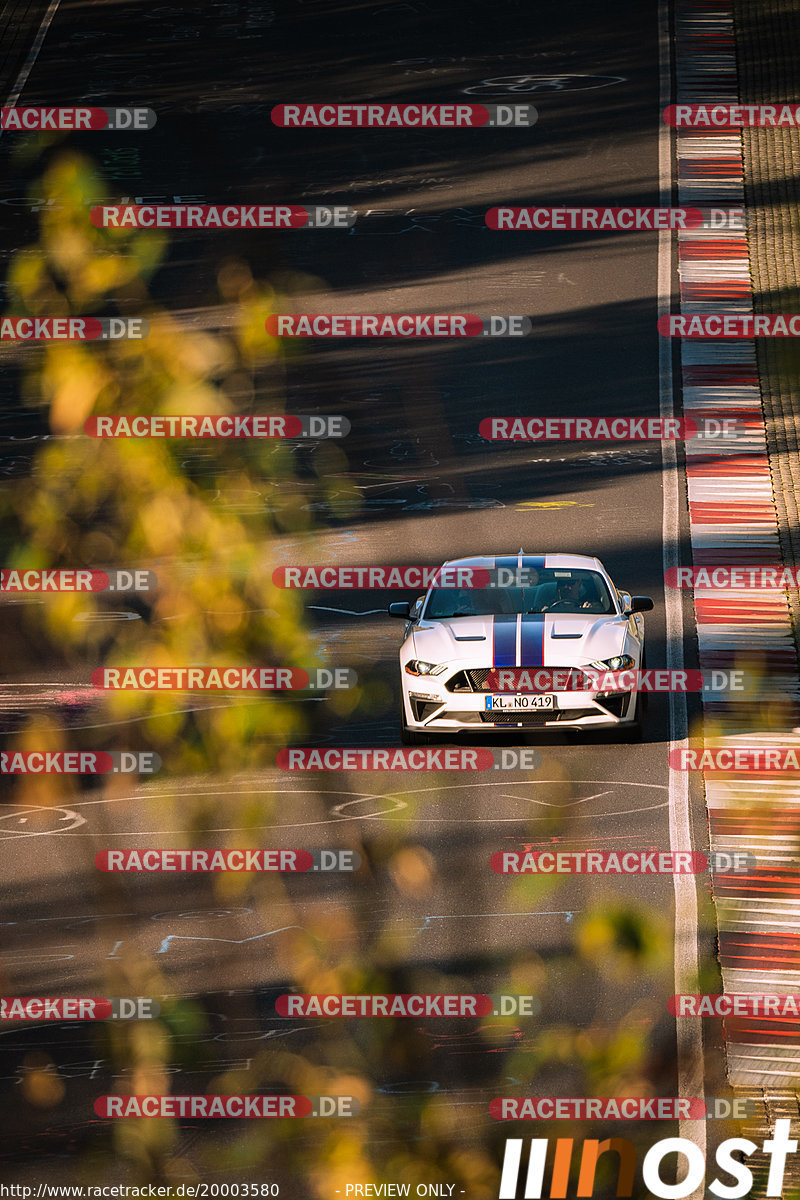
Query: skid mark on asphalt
{"points": [[350, 612], [256, 937], [567, 913], [550, 804]]}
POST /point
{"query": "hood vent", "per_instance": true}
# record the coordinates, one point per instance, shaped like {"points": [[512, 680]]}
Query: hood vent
{"points": [[577, 628]]}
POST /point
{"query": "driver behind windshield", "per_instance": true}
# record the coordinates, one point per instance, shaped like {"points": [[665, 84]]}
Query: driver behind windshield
{"points": [[572, 596], [581, 592]]}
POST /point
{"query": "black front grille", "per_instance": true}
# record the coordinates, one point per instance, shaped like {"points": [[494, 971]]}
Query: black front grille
{"points": [[478, 677], [473, 679], [538, 716]]}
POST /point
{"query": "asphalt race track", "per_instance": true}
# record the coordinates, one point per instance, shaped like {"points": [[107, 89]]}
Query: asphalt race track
{"points": [[413, 482]]}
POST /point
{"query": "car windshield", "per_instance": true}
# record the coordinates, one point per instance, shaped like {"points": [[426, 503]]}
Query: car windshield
{"points": [[550, 590]]}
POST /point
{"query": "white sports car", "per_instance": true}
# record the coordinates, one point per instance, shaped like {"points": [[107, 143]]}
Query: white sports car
{"points": [[567, 614]]}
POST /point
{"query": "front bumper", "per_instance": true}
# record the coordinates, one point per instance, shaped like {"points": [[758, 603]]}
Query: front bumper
{"points": [[434, 705]]}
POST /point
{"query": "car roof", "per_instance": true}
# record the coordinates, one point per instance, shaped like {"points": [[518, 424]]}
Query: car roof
{"points": [[522, 559]]}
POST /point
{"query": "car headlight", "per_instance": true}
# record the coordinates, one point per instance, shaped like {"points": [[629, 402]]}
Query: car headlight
{"points": [[416, 666], [621, 662]]}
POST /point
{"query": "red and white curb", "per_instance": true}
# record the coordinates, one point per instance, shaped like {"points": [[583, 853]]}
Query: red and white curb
{"points": [[733, 520]]}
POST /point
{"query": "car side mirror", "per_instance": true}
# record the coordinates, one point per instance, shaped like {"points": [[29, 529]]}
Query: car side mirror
{"points": [[640, 604], [400, 609]]}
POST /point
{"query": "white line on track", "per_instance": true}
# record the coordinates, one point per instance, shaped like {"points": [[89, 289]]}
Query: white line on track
{"points": [[691, 1082], [337, 817]]}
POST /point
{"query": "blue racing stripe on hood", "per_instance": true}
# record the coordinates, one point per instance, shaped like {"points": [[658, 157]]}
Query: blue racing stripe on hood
{"points": [[531, 649], [504, 640]]}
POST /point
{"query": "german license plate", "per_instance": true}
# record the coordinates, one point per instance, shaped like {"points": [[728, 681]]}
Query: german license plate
{"points": [[505, 702]]}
